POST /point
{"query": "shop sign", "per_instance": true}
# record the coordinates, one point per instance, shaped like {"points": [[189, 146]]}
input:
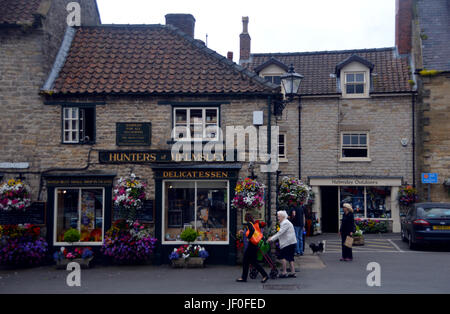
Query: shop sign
{"points": [[194, 174], [77, 181], [133, 134], [144, 157], [355, 182]]}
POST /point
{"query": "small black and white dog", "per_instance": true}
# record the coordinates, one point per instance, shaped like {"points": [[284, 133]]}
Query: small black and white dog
{"points": [[316, 248]]}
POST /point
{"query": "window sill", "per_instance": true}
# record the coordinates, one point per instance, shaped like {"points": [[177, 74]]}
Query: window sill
{"points": [[355, 159], [355, 96], [87, 143], [283, 160]]}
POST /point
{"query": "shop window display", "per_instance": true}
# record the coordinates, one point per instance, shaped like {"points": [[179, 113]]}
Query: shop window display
{"points": [[378, 202], [81, 209], [201, 205], [354, 195]]}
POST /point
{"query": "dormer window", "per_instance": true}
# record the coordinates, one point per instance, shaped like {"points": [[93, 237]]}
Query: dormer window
{"points": [[355, 82], [275, 79], [353, 76]]}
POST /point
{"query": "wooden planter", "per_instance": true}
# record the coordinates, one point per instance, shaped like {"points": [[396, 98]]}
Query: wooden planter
{"points": [[358, 240], [84, 262], [190, 262]]}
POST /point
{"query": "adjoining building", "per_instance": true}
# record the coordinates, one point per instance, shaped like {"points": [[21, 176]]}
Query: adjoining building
{"points": [[355, 142]]}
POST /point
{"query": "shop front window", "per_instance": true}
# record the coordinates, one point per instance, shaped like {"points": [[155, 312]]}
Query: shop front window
{"points": [[80, 209], [367, 202], [201, 205]]}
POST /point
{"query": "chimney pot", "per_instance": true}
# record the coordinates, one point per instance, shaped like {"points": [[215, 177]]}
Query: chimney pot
{"points": [[245, 41], [184, 22]]}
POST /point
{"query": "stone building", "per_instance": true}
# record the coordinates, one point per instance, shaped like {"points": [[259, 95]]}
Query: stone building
{"points": [[116, 101], [351, 133], [425, 37]]}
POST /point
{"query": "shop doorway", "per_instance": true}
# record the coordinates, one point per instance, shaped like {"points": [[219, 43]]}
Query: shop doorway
{"points": [[330, 217]]}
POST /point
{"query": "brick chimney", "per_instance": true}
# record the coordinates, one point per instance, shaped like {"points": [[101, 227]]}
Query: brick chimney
{"points": [[230, 55], [184, 22], [245, 39], [403, 25]]}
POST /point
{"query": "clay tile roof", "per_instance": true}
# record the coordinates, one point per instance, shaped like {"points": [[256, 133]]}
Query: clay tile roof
{"points": [[18, 12], [149, 59], [390, 74]]}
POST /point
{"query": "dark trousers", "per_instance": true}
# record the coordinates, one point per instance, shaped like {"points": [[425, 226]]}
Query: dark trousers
{"points": [[346, 251], [250, 259]]}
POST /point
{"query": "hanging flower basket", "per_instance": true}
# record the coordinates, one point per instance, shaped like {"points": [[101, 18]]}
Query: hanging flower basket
{"points": [[249, 195], [129, 195], [293, 192], [14, 195], [407, 195]]}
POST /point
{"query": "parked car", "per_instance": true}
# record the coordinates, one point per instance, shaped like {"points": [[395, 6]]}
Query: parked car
{"points": [[426, 223]]}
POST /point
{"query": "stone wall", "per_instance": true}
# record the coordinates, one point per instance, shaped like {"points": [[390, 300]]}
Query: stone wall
{"points": [[435, 134]]}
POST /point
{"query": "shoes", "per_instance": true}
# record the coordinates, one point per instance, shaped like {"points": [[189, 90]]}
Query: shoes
{"points": [[342, 259], [241, 280], [265, 279], [282, 276], [292, 275], [348, 259]]}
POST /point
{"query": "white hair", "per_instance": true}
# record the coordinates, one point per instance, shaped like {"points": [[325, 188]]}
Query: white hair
{"points": [[282, 213]]}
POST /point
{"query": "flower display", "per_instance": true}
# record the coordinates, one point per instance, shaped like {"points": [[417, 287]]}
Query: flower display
{"points": [[129, 195], [128, 242], [22, 245], [293, 192], [371, 225], [249, 194], [73, 253], [186, 251], [14, 195], [407, 195]]}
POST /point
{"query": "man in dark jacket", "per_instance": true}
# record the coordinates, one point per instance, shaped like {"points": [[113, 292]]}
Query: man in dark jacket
{"points": [[297, 218]]}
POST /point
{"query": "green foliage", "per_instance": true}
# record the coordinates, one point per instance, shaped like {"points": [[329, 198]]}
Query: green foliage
{"points": [[72, 235], [189, 235]]}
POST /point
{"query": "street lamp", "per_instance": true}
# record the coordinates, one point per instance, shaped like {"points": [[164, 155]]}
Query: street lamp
{"points": [[290, 83]]}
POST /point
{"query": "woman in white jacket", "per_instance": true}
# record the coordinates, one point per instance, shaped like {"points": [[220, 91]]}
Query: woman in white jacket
{"points": [[288, 242]]}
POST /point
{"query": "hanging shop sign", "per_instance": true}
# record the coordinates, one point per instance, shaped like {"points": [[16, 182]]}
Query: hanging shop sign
{"points": [[355, 181], [195, 174], [144, 157]]}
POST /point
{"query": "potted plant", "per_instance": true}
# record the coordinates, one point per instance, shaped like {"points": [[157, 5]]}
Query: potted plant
{"points": [[358, 238], [190, 256]]}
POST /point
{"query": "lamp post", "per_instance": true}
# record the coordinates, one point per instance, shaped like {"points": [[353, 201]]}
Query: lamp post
{"points": [[290, 83]]}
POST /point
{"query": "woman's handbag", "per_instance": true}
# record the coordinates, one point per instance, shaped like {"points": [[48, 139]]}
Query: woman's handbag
{"points": [[348, 242]]}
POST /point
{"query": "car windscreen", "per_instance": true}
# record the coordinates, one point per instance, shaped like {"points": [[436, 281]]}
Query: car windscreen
{"points": [[433, 212]]}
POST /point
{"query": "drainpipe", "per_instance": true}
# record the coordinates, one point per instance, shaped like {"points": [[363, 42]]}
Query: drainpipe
{"points": [[413, 142], [299, 138], [269, 151]]}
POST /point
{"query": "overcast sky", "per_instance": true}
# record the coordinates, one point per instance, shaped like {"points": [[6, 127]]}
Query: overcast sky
{"points": [[274, 26]]}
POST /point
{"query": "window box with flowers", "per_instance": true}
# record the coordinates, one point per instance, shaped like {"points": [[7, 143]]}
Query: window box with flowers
{"points": [[81, 255], [190, 256]]}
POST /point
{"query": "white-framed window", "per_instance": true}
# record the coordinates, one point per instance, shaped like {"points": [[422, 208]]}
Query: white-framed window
{"points": [[78, 125], [282, 147], [355, 146], [275, 79], [202, 205], [81, 209], [355, 83], [196, 124]]}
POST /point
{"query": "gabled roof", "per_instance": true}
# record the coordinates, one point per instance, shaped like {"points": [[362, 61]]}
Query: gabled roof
{"points": [[390, 73], [147, 59], [271, 61], [353, 58], [19, 12]]}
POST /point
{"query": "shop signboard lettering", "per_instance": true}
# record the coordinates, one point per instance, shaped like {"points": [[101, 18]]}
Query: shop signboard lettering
{"points": [[197, 174], [76, 181], [144, 157]]}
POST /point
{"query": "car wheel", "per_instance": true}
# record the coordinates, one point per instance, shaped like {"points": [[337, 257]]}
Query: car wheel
{"points": [[411, 244]]}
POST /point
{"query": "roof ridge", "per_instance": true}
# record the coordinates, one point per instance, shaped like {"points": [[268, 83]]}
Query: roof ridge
{"points": [[323, 52], [234, 66]]}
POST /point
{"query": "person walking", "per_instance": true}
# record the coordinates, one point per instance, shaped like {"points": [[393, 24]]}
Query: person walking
{"points": [[298, 220], [347, 229], [288, 243], [254, 235]]}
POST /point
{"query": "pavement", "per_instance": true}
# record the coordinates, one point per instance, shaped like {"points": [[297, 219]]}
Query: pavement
{"points": [[401, 271]]}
